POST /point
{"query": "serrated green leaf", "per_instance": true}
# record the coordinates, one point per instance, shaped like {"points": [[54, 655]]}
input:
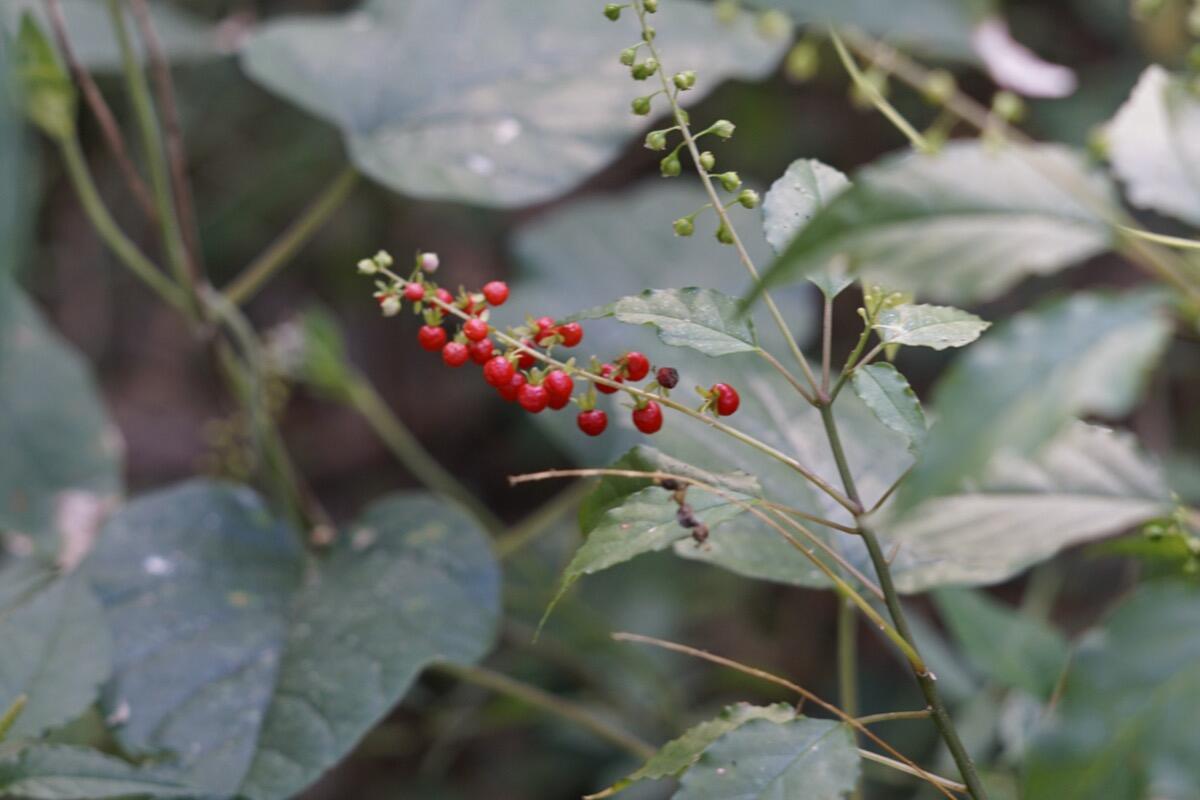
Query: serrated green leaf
{"points": [[705, 320], [60, 456], [55, 648], [1125, 727], [41, 771], [1016, 650], [496, 120], [937, 327], [962, 225], [806, 759], [259, 668], [1011, 393], [678, 754], [1154, 144], [804, 188], [887, 393]]}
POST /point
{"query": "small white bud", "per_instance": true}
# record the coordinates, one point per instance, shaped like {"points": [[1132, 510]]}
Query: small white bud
{"points": [[383, 258], [429, 262], [390, 305], [368, 267]]}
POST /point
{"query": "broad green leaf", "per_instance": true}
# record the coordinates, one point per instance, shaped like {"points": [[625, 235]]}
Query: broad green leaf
{"points": [[887, 393], [1125, 727], [54, 647], [45, 88], [962, 225], [41, 771], [806, 186], [940, 28], [702, 319], [1154, 144], [60, 456], [1087, 483], [513, 103], [806, 759], [260, 668], [678, 754], [1014, 649], [938, 327], [1012, 392]]}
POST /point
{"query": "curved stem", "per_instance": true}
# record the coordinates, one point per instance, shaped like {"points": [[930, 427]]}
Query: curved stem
{"points": [[1160, 238], [877, 99]]}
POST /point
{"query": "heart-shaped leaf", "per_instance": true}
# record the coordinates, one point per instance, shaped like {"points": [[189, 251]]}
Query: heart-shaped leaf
{"points": [[506, 104], [39, 771], [887, 393], [937, 327], [703, 319], [804, 188], [258, 670]]}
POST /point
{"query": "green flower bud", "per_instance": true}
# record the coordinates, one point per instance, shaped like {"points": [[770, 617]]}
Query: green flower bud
{"points": [[383, 258], [863, 97], [641, 106], [684, 117], [802, 61], [684, 226], [670, 166], [628, 56], [707, 160], [729, 181], [648, 33], [650, 65], [939, 87], [656, 140], [612, 11], [748, 198], [724, 235], [1007, 106], [650, 6], [723, 128], [368, 267], [685, 80]]}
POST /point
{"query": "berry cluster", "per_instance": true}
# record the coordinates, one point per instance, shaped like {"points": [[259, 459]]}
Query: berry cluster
{"points": [[512, 366]]}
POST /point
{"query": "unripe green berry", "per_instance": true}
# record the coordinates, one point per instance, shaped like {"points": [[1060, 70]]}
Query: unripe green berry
{"points": [[648, 33], [651, 65], [1007, 106], [656, 140], [748, 198], [684, 226], [724, 235], [628, 56], [650, 6], [670, 166], [723, 128], [641, 106], [368, 267], [707, 160], [803, 61], [612, 11], [685, 80], [939, 87], [729, 181]]}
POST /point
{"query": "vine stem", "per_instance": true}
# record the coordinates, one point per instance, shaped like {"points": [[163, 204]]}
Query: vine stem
{"points": [[939, 783], [544, 701], [876, 97], [285, 247], [847, 660]]}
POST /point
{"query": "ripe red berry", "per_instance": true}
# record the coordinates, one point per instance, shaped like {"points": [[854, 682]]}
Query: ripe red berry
{"points": [[610, 372], [481, 351], [592, 422], [667, 377], [455, 354], [496, 292], [571, 333], [510, 390], [498, 371], [414, 292], [533, 397], [559, 386], [637, 366], [727, 399], [526, 360], [445, 296], [475, 329], [648, 419], [431, 337]]}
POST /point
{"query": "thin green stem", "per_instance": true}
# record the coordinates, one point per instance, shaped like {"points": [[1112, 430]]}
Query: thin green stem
{"points": [[826, 343], [11, 714], [877, 99], [407, 448], [847, 659], [121, 246], [893, 716], [290, 242], [1161, 238], [767, 356], [544, 701]]}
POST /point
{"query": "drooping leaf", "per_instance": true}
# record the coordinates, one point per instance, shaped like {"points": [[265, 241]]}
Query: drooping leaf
{"points": [[703, 319], [1014, 649], [59, 454], [938, 327], [806, 186], [1011, 393], [40, 771], [54, 647], [1087, 483], [1125, 728], [678, 754], [806, 759], [887, 393], [962, 225], [261, 670], [498, 118], [1154, 144]]}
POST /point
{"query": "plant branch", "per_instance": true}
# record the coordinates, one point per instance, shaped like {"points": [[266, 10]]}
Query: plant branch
{"points": [[847, 660], [293, 239], [876, 97], [826, 342], [774, 362], [892, 716]]}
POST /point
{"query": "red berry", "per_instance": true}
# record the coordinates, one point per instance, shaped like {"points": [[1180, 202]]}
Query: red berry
{"points": [[496, 292], [414, 292], [559, 386], [648, 418], [475, 329], [533, 397], [431, 337], [610, 372], [445, 297], [667, 377], [571, 333], [592, 422], [545, 330], [526, 360], [510, 390], [455, 354], [498, 371], [727, 399], [481, 351], [637, 366]]}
